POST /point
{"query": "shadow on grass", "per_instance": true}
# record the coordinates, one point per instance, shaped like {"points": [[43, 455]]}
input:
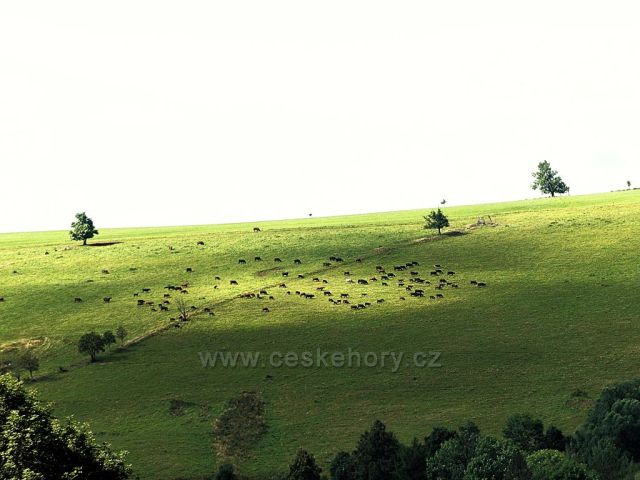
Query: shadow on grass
{"points": [[102, 244]]}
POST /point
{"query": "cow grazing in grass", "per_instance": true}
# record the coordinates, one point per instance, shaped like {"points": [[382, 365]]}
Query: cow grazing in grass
{"points": [[242, 261], [256, 229], [233, 282], [77, 300], [106, 299]]}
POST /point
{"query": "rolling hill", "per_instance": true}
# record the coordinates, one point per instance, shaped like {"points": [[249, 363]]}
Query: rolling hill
{"points": [[560, 312]]}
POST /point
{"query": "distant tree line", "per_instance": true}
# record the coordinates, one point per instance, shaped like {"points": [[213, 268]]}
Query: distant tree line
{"points": [[605, 447]]}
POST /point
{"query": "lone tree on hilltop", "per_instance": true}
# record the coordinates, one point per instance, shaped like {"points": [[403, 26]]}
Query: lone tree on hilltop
{"points": [[436, 220], [82, 229], [548, 181], [91, 344]]}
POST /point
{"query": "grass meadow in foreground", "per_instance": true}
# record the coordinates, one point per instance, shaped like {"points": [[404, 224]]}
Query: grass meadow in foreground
{"points": [[560, 312]]}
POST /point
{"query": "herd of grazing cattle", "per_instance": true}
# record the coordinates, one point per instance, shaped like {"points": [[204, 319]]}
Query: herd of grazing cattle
{"points": [[398, 282]]}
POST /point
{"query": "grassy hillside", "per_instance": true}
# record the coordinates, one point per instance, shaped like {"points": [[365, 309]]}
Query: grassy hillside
{"points": [[560, 312]]}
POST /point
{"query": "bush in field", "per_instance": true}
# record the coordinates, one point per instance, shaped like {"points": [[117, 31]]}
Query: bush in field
{"points": [[108, 339], [121, 333], [27, 361], [240, 425], [91, 344], [225, 472]]}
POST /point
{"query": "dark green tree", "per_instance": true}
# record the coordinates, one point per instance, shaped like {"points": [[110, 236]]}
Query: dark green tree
{"points": [[121, 333], [609, 439], [342, 467], [554, 439], [525, 432], [225, 472], [436, 220], [36, 446], [412, 462], [497, 460], [28, 361], [304, 467], [376, 455], [82, 229], [436, 438], [554, 465], [548, 181], [451, 460], [91, 344], [108, 339]]}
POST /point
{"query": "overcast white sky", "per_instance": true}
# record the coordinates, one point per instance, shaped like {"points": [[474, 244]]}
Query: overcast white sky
{"points": [[185, 112]]}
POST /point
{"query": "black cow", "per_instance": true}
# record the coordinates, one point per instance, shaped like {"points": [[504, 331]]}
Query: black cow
{"points": [[297, 261], [106, 299], [233, 282], [77, 300], [242, 261]]}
